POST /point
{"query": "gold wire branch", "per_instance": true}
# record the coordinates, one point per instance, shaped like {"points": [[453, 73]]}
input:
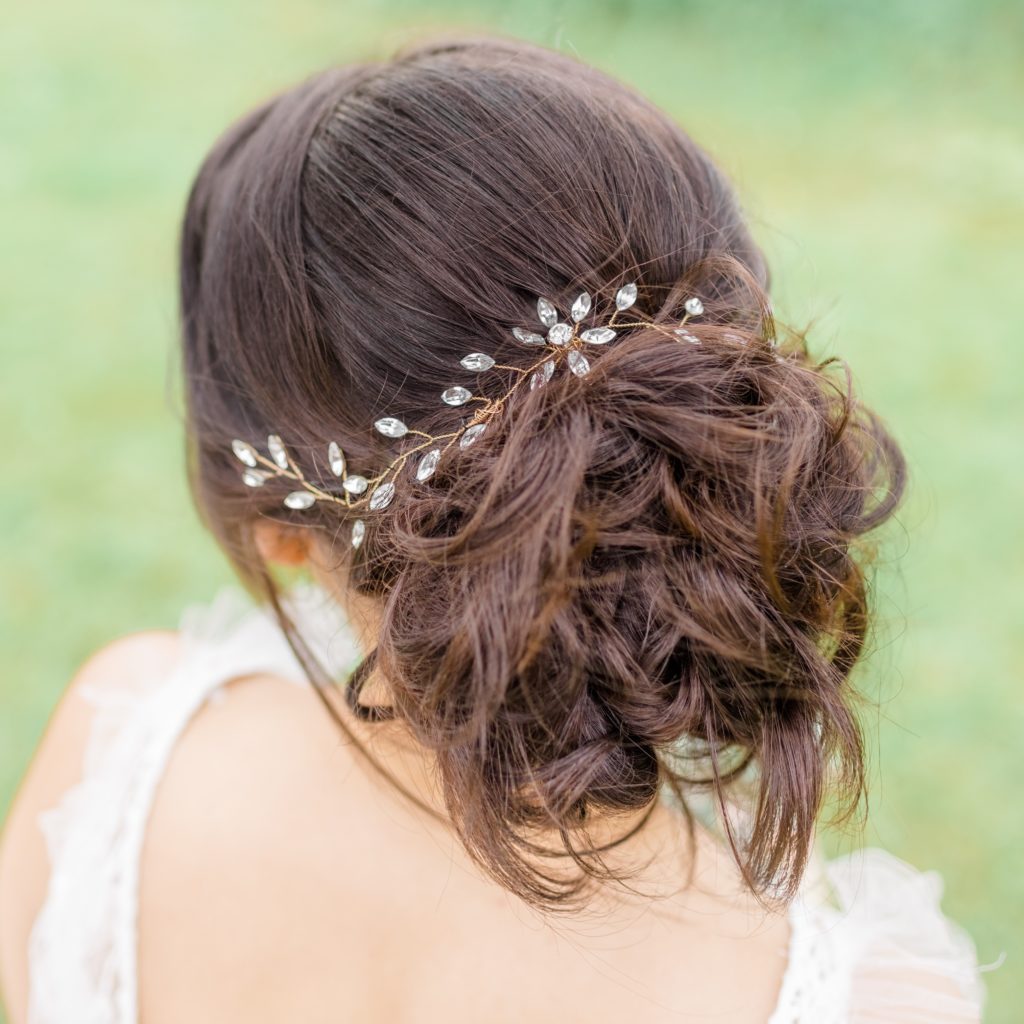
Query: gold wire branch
{"points": [[565, 342]]}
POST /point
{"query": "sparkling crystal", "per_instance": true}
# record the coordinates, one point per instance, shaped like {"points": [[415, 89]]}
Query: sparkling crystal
{"points": [[528, 337], [578, 363], [480, 360], [358, 532], [471, 434], [382, 496], [598, 335], [355, 484], [546, 312], [581, 307], [543, 375], [276, 448], [391, 427], [625, 296], [254, 477], [456, 396], [428, 464], [244, 452], [560, 334], [694, 306], [687, 336], [336, 459], [299, 499]]}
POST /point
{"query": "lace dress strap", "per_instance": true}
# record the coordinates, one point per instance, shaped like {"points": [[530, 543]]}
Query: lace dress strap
{"points": [[82, 950], [871, 944]]}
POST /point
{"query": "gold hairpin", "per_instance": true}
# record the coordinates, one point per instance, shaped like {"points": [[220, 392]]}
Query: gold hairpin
{"points": [[563, 341]]}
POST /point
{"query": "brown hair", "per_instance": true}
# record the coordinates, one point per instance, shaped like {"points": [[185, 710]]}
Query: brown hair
{"points": [[656, 559]]}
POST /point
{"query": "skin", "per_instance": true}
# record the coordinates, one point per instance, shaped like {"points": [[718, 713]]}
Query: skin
{"points": [[282, 879]]}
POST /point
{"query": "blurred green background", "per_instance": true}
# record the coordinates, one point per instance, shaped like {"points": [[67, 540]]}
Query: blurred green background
{"points": [[880, 150]]}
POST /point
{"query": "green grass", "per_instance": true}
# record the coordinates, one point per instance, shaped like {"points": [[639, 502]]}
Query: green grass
{"points": [[879, 150]]}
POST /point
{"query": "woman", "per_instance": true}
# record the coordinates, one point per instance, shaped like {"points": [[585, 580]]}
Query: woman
{"points": [[479, 341]]}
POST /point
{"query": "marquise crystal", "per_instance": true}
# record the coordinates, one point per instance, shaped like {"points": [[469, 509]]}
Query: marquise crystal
{"points": [[598, 335], [579, 363], [335, 459], [471, 434], [428, 464], [277, 452], [355, 484], [581, 307], [456, 395], [479, 360], [389, 426], [546, 312], [254, 477], [528, 337], [244, 452], [358, 532], [687, 336], [625, 296], [560, 334], [299, 499], [382, 496]]}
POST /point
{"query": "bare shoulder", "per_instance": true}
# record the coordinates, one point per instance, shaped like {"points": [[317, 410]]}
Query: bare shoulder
{"points": [[254, 872], [256, 826], [56, 766]]}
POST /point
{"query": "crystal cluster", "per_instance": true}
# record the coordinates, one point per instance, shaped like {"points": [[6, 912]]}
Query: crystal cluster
{"points": [[558, 340]]}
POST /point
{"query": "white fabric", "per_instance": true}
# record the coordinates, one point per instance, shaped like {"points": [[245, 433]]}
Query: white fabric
{"points": [[880, 951]]}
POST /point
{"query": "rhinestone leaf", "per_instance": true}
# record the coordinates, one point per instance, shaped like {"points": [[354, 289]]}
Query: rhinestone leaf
{"points": [[625, 296], [428, 464], [581, 307], [336, 459], [546, 312], [254, 477], [277, 452], [456, 396], [579, 363], [382, 496], [694, 306], [299, 499], [355, 484], [358, 533], [687, 336], [543, 375], [471, 434], [598, 335], [244, 452], [528, 337], [480, 360], [560, 334], [391, 427]]}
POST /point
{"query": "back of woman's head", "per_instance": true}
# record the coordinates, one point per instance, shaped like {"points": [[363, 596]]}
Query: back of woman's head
{"points": [[640, 577]]}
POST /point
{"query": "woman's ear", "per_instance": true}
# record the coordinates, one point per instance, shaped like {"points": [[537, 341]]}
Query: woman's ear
{"points": [[281, 544]]}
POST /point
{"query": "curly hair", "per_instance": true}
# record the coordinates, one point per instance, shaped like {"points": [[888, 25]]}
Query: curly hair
{"points": [[648, 577]]}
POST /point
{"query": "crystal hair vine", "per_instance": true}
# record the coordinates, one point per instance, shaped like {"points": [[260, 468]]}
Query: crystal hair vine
{"points": [[564, 341]]}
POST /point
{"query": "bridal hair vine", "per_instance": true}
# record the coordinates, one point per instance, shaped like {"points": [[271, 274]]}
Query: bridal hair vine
{"points": [[564, 342]]}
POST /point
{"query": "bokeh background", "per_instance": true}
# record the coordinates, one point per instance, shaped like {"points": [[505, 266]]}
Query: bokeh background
{"points": [[879, 146]]}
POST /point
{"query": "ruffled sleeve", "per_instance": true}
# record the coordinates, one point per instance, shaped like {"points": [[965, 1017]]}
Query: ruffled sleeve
{"points": [[908, 963]]}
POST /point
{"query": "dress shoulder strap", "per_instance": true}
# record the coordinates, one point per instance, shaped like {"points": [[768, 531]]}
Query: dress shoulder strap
{"points": [[82, 950]]}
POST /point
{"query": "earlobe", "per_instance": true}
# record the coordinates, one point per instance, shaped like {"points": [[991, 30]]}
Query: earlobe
{"points": [[280, 544]]}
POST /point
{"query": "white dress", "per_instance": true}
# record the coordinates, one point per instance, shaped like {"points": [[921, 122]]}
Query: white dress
{"points": [[880, 950]]}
